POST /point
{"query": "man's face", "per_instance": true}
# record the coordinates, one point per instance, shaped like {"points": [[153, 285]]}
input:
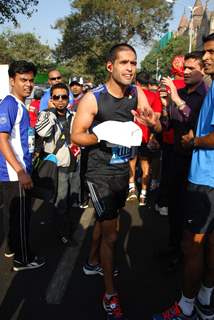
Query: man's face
{"points": [[208, 58], [123, 69], [193, 71], [76, 88], [22, 85], [60, 98], [54, 77]]}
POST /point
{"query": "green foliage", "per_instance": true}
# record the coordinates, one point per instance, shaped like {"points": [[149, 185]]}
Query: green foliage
{"points": [[10, 8], [176, 46], [95, 25], [19, 46]]}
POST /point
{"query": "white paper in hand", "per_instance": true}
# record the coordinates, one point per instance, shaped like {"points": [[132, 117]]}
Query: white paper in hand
{"points": [[126, 134]]}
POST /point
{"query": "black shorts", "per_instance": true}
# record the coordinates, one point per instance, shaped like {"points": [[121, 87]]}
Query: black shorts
{"points": [[108, 195], [199, 212], [145, 153]]}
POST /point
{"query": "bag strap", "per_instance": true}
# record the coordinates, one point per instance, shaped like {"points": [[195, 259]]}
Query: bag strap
{"points": [[60, 142]]}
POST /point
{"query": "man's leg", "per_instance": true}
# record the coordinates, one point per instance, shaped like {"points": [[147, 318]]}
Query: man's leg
{"points": [[109, 237], [193, 250], [132, 195], [204, 303], [145, 168], [61, 204], [94, 256]]}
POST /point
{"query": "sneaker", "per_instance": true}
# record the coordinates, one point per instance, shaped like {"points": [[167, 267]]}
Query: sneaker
{"points": [[142, 201], [113, 308], [205, 312], [84, 205], [9, 254], [163, 211], [132, 195], [175, 313], [89, 270], [19, 266]]}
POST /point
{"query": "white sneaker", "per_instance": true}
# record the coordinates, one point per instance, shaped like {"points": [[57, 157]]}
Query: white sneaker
{"points": [[163, 211]]}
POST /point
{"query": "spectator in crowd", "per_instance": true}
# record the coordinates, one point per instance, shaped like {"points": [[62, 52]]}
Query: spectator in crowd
{"points": [[54, 126], [167, 142], [181, 114], [16, 165], [198, 238], [34, 107], [76, 87], [54, 77], [143, 152]]}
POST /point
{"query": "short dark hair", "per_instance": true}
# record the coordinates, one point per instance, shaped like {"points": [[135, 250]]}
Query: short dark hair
{"points": [[112, 54], [21, 66], [52, 69], [60, 85], [143, 77], [210, 37], [197, 55]]}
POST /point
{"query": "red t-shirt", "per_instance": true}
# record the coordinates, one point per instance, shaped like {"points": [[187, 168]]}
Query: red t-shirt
{"points": [[155, 103], [168, 135], [33, 112]]}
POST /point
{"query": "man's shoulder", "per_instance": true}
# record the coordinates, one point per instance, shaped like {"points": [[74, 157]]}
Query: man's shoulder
{"points": [[9, 102]]}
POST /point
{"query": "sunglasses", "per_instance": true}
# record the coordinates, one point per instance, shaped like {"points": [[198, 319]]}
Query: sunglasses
{"points": [[62, 96], [56, 78]]}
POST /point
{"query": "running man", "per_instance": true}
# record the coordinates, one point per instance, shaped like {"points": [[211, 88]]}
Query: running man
{"points": [[108, 166]]}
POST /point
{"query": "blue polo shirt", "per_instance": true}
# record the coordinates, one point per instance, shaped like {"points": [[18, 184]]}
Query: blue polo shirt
{"points": [[14, 120], [201, 170]]}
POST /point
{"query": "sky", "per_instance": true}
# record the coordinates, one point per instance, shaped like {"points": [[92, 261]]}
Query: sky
{"points": [[48, 11]]}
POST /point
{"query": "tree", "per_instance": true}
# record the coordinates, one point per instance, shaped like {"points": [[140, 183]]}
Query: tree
{"points": [[10, 8], [176, 46], [16, 46], [95, 25]]}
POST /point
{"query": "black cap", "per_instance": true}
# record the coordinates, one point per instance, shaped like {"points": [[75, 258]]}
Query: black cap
{"points": [[78, 80]]}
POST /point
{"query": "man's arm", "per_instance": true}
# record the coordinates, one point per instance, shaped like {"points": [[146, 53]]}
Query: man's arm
{"points": [[7, 152], [205, 142], [46, 122], [179, 105], [144, 113], [86, 111]]}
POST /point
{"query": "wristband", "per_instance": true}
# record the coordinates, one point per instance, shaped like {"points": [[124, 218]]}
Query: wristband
{"points": [[181, 104]]}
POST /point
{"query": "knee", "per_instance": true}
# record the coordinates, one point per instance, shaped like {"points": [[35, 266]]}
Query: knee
{"points": [[191, 249], [110, 238]]}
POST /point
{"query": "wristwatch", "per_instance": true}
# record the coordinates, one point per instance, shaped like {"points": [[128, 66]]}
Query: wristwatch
{"points": [[192, 143]]}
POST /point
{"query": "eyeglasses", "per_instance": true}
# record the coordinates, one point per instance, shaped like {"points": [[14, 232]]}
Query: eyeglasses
{"points": [[62, 96], [56, 78]]}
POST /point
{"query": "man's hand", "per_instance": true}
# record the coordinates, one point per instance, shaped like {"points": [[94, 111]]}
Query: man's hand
{"points": [[146, 116], [25, 180], [173, 91], [50, 104], [187, 139]]}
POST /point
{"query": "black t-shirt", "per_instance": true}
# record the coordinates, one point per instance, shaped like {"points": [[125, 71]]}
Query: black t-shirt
{"points": [[103, 158]]}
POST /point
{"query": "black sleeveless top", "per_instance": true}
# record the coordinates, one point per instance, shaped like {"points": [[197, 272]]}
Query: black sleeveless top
{"points": [[105, 158]]}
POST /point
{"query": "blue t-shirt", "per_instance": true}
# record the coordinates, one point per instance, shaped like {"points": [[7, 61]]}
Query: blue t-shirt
{"points": [[201, 170], [46, 96], [14, 120]]}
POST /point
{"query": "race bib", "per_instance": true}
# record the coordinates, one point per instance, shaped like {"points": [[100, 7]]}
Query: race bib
{"points": [[120, 154]]}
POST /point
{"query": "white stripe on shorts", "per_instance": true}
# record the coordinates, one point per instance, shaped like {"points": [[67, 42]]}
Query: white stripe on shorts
{"points": [[94, 199]]}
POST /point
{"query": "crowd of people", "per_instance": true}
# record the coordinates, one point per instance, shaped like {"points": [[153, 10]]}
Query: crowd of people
{"points": [[118, 140]]}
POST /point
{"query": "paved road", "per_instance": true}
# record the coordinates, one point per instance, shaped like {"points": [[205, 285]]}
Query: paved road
{"points": [[60, 290]]}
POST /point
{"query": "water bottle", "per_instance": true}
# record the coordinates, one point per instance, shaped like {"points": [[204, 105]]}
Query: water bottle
{"points": [[31, 139]]}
